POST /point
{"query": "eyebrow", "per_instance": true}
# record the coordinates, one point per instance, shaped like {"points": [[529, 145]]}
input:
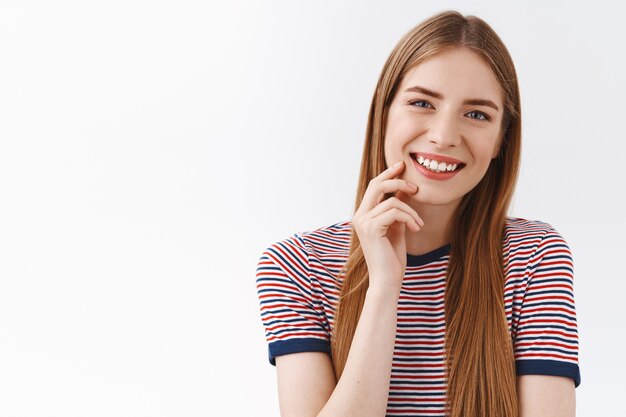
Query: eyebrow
{"points": [[474, 101]]}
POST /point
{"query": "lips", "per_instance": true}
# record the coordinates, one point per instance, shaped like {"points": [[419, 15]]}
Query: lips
{"points": [[438, 158], [444, 175]]}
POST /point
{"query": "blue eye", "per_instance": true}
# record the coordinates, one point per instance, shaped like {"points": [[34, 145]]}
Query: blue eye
{"points": [[483, 115], [480, 115], [419, 101]]}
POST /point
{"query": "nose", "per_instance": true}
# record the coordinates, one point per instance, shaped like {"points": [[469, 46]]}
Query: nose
{"points": [[443, 130]]}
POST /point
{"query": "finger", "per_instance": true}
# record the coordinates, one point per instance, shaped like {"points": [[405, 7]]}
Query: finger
{"points": [[391, 171], [404, 198], [379, 191], [397, 204], [382, 184], [384, 220], [394, 187]]}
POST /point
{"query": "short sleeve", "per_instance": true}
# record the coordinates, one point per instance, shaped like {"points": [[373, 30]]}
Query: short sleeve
{"points": [[546, 339], [291, 316]]}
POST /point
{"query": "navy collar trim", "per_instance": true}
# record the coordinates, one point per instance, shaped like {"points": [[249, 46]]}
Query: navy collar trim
{"points": [[426, 258]]}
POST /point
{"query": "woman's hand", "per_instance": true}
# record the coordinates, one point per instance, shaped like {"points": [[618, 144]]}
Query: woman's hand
{"points": [[380, 228]]}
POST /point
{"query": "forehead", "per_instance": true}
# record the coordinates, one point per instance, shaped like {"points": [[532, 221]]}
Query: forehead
{"points": [[456, 74]]}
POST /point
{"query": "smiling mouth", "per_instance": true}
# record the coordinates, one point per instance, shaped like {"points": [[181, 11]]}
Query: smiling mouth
{"points": [[437, 166]]}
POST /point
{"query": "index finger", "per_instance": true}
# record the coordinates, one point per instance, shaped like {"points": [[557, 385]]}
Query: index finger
{"points": [[371, 197]]}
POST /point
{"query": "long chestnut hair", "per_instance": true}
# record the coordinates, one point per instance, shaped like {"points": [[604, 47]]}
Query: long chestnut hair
{"points": [[480, 365]]}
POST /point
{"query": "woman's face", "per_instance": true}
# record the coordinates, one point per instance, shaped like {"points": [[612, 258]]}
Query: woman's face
{"points": [[448, 108]]}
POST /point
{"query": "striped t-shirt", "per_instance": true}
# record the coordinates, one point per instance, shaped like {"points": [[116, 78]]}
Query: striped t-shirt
{"points": [[298, 290]]}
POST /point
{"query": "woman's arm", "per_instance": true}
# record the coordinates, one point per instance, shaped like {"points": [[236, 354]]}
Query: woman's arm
{"points": [[546, 396], [363, 388]]}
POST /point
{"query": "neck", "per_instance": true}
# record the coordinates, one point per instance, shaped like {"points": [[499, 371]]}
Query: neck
{"points": [[437, 230]]}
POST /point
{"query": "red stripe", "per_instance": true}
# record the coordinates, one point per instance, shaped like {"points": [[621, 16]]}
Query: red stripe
{"points": [[288, 335], [535, 298], [415, 400], [557, 262], [273, 306], [528, 355], [416, 377], [543, 310], [552, 286], [546, 332], [421, 342], [428, 388], [542, 343], [419, 331], [428, 354]]}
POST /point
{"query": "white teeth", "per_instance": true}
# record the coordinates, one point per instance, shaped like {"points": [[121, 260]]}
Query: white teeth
{"points": [[436, 166]]}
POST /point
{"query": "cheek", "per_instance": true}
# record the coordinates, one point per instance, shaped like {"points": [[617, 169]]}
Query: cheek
{"points": [[483, 150], [401, 124], [393, 139]]}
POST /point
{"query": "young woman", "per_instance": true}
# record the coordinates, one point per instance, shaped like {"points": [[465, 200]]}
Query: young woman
{"points": [[431, 301]]}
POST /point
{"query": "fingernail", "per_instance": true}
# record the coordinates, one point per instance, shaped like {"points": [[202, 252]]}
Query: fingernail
{"points": [[397, 164]]}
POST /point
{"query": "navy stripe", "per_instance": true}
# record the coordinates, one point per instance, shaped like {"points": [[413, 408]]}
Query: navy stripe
{"points": [[548, 367], [284, 347]]}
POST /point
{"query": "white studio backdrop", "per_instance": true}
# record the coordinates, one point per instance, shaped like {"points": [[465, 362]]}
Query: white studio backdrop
{"points": [[151, 150]]}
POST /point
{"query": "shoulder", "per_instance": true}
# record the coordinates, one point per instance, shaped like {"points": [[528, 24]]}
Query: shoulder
{"points": [[517, 228], [526, 243], [327, 240], [533, 246], [528, 237]]}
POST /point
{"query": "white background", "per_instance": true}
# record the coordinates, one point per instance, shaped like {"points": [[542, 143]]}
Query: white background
{"points": [[151, 150]]}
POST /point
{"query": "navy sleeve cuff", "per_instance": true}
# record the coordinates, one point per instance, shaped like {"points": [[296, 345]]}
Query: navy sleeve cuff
{"points": [[306, 344], [548, 367]]}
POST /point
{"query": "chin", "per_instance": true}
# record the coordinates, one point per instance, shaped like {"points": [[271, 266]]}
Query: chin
{"points": [[435, 198]]}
